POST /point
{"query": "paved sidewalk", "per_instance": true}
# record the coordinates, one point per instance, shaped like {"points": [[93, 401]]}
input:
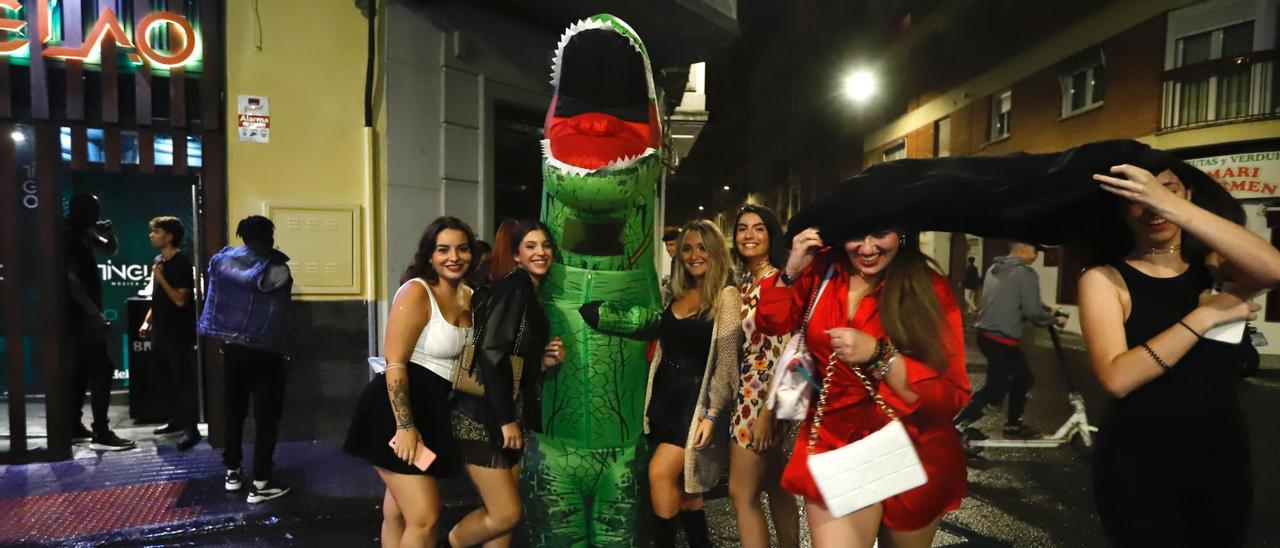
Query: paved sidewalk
{"points": [[155, 493]]}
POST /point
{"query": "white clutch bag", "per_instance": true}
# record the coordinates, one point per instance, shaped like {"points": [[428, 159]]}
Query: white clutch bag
{"points": [[867, 471]]}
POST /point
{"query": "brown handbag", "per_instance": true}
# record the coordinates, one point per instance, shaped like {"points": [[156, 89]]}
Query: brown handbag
{"points": [[466, 376]]}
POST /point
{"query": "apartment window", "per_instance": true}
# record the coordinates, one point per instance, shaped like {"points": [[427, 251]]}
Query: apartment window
{"points": [[1082, 89], [942, 138], [1213, 77], [1001, 109], [896, 151]]}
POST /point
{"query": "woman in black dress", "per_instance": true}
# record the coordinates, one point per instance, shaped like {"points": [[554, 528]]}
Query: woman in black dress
{"points": [[1172, 466], [692, 380], [490, 431], [428, 324]]}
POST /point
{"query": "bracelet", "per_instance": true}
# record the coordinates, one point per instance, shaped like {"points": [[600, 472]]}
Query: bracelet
{"points": [[708, 416], [404, 426], [394, 366], [883, 370], [878, 354], [1193, 332], [1155, 357], [785, 278]]}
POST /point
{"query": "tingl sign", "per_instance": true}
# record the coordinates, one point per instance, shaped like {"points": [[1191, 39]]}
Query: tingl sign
{"points": [[16, 38]]}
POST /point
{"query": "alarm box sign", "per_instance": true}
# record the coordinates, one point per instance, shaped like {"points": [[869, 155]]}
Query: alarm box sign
{"points": [[1245, 175], [253, 116]]}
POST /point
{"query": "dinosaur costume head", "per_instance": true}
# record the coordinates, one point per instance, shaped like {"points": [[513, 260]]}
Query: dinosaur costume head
{"points": [[603, 135]]}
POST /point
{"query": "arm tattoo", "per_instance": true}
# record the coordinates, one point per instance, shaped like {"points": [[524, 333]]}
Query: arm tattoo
{"points": [[398, 390]]}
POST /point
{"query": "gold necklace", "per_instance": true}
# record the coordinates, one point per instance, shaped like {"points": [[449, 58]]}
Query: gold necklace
{"points": [[761, 271], [1163, 251]]}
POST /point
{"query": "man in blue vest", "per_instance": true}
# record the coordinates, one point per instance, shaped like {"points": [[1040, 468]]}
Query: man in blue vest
{"points": [[246, 307]]}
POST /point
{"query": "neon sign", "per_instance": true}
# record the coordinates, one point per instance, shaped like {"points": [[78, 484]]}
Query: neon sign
{"points": [[138, 49]]}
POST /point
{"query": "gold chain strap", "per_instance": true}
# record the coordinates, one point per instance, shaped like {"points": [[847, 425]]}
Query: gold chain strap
{"points": [[822, 398]]}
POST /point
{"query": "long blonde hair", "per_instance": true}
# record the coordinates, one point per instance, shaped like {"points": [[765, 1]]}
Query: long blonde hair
{"points": [[718, 266]]}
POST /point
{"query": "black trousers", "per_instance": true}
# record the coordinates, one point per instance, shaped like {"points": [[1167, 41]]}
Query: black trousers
{"points": [[91, 369], [175, 354], [260, 374], [1007, 374]]}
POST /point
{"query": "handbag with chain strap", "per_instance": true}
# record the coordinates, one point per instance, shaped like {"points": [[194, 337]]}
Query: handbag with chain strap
{"points": [[466, 375], [874, 468], [793, 376]]}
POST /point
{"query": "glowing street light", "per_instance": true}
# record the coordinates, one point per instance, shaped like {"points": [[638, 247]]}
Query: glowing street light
{"points": [[726, 187], [700, 208], [17, 136], [860, 86]]}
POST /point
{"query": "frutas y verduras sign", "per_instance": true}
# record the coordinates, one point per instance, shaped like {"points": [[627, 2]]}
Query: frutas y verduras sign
{"points": [[16, 38], [1244, 175]]}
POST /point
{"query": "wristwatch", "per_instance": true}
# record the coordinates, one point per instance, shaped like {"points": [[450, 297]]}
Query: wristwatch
{"points": [[785, 278]]}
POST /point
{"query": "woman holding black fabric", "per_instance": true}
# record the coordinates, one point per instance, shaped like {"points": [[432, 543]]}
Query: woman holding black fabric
{"points": [[488, 430], [1172, 463]]}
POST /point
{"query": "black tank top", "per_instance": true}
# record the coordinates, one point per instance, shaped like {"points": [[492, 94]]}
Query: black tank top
{"points": [[1198, 396], [685, 341]]}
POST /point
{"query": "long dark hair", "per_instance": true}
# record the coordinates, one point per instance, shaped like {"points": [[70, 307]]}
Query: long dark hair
{"points": [[1111, 240], [779, 247], [506, 244], [909, 309], [421, 265]]}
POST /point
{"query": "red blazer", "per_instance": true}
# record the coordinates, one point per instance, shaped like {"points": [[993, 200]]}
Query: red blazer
{"points": [[851, 414]]}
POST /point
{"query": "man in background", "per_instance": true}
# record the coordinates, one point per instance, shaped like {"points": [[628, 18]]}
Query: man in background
{"points": [[246, 307], [83, 237], [972, 283], [171, 325], [1010, 297]]}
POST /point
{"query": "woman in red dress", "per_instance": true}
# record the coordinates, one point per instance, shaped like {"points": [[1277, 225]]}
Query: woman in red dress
{"points": [[882, 294]]}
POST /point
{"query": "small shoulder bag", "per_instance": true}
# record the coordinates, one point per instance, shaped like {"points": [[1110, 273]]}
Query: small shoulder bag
{"points": [[793, 373], [466, 376], [880, 465]]}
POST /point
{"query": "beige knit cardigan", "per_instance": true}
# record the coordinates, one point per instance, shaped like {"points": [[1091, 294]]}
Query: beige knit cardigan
{"points": [[703, 468]]}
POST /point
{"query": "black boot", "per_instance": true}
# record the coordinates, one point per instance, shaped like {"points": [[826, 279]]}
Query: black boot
{"points": [[664, 532], [694, 523]]}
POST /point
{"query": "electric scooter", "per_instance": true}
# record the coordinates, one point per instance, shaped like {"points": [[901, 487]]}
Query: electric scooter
{"points": [[1076, 425]]}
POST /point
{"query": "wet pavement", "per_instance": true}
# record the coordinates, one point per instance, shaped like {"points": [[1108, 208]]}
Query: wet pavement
{"points": [[155, 496]]}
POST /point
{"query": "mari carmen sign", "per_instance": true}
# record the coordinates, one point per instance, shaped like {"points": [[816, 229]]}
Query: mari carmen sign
{"points": [[1244, 175]]}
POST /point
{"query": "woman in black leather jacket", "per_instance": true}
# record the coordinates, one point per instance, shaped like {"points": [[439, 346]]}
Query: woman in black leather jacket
{"points": [[490, 430]]}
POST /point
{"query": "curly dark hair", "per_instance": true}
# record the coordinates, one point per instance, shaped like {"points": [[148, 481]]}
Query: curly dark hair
{"points": [[421, 265]]}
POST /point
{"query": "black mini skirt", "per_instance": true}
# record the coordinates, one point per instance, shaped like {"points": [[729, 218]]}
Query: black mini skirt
{"points": [[373, 424]]}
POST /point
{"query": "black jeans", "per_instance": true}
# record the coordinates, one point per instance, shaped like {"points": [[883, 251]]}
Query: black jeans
{"points": [[91, 369], [262, 374], [175, 354], [1007, 373]]}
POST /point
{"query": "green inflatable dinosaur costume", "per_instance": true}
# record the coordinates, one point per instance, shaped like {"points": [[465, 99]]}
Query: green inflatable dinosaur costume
{"points": [[583, 477]]}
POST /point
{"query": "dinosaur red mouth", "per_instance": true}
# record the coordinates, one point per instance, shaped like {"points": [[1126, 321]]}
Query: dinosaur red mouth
{"points": [[592, 140]]}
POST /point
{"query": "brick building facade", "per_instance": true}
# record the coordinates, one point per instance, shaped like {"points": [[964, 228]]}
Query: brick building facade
{"points": [[1193, 77]]}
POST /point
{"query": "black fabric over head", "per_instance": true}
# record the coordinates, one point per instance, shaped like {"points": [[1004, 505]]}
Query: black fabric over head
{"points": [[1047, 198]]}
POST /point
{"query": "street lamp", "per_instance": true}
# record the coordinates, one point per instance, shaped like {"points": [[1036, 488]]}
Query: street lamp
{"points": [[860, 86], [17, 136], [700, 208], [726, 187]]}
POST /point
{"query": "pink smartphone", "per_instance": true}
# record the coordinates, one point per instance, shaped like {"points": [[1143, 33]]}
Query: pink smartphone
{"points": [[422, 458]]}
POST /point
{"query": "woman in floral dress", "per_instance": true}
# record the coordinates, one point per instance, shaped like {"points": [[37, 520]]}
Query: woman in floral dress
{"points": [[757, 457]]}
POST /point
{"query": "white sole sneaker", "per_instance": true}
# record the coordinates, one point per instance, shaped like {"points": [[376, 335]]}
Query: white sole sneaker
{"points": [[256, 496]]}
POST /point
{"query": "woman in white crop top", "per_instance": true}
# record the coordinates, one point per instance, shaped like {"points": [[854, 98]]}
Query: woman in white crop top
{"points": [[408, 406]]}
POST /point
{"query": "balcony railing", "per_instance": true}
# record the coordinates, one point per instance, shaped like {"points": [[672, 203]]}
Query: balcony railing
{"points": [[1220, 90]]}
